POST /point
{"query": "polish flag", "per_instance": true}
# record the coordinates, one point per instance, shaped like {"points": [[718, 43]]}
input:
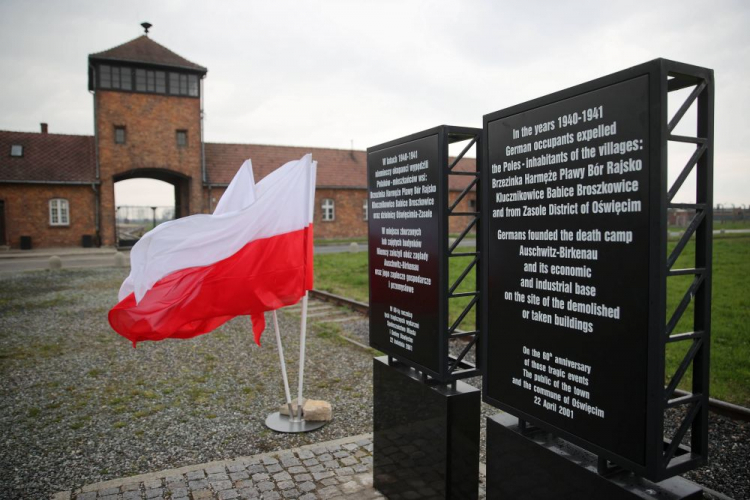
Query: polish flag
{"points": [[253, 254]]}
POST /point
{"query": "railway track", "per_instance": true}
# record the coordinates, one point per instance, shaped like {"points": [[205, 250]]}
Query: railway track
{"points": [[330, 308]]}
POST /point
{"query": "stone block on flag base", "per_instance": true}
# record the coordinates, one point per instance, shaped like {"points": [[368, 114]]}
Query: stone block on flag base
{"points": [[317, 411], [312, 410]]}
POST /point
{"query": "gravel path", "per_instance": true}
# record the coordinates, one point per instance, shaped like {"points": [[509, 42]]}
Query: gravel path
{"points": [[79, 405]]}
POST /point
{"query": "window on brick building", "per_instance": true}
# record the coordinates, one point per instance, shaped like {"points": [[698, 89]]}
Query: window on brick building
{"points": [[126, 78], [140, 80], [193, 85], [147, 80], [115, 77], [105, 76], [182, 138], [59, 214], [364, 210], [473, 204], [119, 135], [16, 150], [328, 209], [161, 82], [154, 82], [174, 83]]}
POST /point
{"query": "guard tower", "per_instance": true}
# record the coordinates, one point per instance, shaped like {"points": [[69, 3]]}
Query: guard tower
{"points": [[148, 123]]}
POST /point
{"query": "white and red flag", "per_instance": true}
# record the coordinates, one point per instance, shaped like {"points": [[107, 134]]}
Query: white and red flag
{"points": [[252, 255]]}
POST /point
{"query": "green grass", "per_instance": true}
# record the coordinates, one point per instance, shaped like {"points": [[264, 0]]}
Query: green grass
{"points": [[456, 306], [346, 274], [343, 274], [732, 224], [719, 225], [332, 332], [31, 351], [730, 318]]}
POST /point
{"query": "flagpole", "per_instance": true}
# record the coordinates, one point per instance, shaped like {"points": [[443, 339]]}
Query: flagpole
{"points": [[302, 335], [294, 423], [283, 365]]}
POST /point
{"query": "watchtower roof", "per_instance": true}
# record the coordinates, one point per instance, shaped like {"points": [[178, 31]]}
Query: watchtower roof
{"points": [[143, 50]]}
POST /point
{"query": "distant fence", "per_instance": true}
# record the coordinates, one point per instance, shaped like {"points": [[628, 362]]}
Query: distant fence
{"points": [[133, 221], [722, 213]]}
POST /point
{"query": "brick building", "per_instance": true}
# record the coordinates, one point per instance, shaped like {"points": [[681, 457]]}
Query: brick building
{"points": [[58, 190]]}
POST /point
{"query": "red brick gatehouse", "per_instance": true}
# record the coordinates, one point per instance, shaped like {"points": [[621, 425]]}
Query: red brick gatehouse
{"points": [[57, 190]]}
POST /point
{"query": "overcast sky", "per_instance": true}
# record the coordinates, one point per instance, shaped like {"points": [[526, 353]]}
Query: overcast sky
{"points": [[337, 73]]}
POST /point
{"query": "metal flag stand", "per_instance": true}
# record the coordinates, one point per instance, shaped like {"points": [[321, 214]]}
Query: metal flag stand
{"points": [[295, 422]]}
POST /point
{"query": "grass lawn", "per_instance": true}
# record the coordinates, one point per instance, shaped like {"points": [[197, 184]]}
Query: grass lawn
{"points": [[720, 225], [731, 224], [346, 274], [730, 318]]}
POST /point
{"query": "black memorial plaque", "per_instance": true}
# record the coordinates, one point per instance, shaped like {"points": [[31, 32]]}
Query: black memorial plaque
{"points": [[568, 191], [404, 192]]}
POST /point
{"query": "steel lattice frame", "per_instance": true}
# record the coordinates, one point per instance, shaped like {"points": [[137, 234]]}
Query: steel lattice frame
{"points": [[458, 368], [676, 457]]}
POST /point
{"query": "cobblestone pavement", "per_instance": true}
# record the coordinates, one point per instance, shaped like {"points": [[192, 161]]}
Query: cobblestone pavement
{"points": [[335, 469]]}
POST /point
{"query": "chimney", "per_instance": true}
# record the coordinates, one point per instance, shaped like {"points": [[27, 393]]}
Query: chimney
{"points": [[44, 128]]}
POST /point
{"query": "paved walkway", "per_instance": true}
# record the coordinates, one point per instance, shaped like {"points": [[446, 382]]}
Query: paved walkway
{"points": [[334, 469]]}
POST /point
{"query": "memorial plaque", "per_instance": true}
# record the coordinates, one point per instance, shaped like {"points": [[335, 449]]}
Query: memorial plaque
{"points": [[568, 190], [405, 211]]}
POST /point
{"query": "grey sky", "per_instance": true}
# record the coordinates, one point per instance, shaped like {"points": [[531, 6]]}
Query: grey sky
{"points": [[329, 73]]}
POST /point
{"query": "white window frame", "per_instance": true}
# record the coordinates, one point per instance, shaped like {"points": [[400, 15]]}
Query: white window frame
{"points": [[365, 211], [59, 212], [328, 208]]}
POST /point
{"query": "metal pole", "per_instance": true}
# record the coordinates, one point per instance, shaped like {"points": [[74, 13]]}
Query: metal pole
{"points": [[303, 331], [294, 423], [283, 365]]}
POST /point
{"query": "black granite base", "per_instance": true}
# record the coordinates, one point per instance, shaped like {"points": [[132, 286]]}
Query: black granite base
{"points": [[426, 436], [538, 466]]}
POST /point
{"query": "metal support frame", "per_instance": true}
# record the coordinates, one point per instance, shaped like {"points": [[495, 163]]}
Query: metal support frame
{"points": [[665, 454], [458, 367], [678, 457], [441, 367]]}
